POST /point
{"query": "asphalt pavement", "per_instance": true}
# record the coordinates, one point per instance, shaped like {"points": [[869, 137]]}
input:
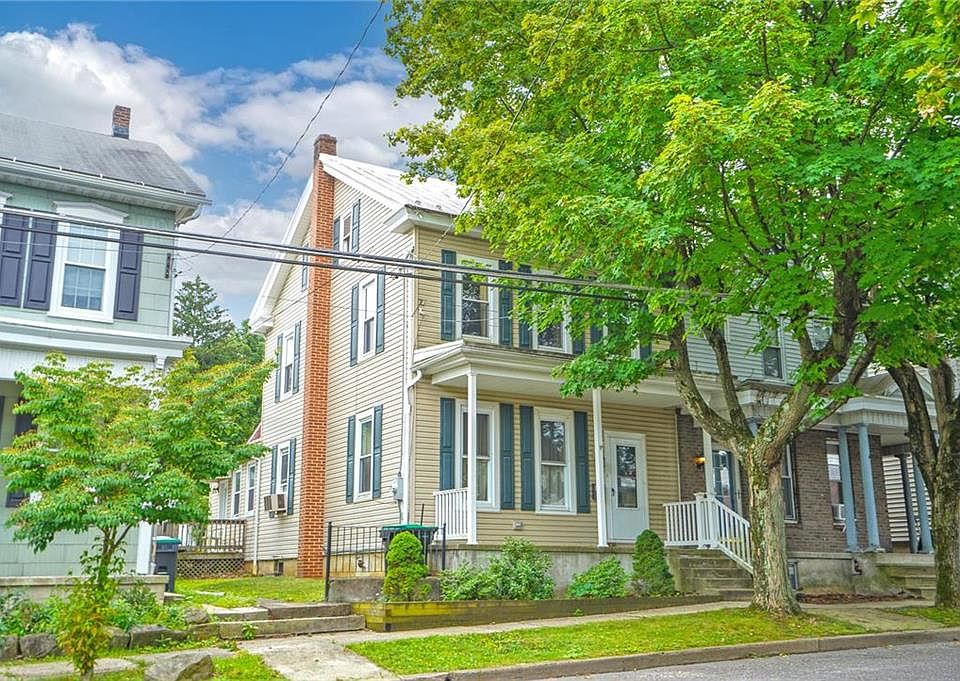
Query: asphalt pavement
{"points": [[921, 662]]}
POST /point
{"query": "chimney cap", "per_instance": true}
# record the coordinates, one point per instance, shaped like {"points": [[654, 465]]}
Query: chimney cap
{"points": [[324, 144], [121, 121]]}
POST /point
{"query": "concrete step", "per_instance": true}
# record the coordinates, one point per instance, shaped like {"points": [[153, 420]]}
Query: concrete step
{"points": [[905, 571], [725, 582], [250, 614], [736, 594], [724, 571], [271, 627], [279, 610]]}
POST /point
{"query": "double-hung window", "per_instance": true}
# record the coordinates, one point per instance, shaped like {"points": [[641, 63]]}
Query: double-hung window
{"points": [[287, 363], [476, 302], [251, 487], [486, 474], [85, 266], [368, 317], [345, 227], [304, 271], [283, 466], [789, 491], [554, 440], [364, 456], [835, 478], [772, 358], [237, 490]]}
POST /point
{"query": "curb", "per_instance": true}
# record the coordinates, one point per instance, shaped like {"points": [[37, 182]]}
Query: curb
{"points": [[628, 663]]}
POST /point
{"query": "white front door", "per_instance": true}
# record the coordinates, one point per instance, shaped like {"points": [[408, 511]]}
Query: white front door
{"points": [[625, 470]]}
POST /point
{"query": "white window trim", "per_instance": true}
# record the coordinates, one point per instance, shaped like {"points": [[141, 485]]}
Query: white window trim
{"points": [[493, 301], [361, 319], [788, 458], [566, 343], [493, 477], [3, 198], [287, 356], [255, 467], [85, 211], [357, 445], [567, 418], [783, 359], [345, 231], [827, 443], [304, 271], [236, 493], [280, 481]]}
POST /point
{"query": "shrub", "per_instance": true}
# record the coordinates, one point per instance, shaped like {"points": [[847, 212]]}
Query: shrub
{"points": [[82, 626], [651, 574], [522, 571], [19, 615], [606, 579], [468, 583], [138, 605], [404, 580]]}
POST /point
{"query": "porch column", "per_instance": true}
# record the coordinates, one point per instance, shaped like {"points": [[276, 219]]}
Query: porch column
{"points": [[598, 469], [908, 501], [926, 540], [846, 485], [144, 546], [869, 497], [471, 457], [707, 462]]}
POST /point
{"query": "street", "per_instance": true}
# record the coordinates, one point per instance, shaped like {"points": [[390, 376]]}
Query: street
{"points": [[926, 662]]}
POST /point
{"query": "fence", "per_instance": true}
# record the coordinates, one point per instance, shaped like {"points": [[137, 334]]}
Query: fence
{"points": [[214, 536], [360, 550], [708, 524]]}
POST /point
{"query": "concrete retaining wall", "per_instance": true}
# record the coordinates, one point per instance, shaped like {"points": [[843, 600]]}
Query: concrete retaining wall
{"points": [[41, 588]]}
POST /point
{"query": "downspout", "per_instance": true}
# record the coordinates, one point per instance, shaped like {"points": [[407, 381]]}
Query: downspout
{"points": [[256, 518]]}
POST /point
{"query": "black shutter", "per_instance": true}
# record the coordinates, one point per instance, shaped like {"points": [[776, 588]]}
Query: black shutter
{"points": [[296, 356], [351, 438], [127, 301], [596, 334], [506, 311], [354, 322], [377, 450], [278, 374], [506, 457], [581, 468], [527, 469], [40, 266], [448, 288], [291, 474], [13, 247], [355, 228], [381, 309], [526, 334], [578, 345], [448, 429]]}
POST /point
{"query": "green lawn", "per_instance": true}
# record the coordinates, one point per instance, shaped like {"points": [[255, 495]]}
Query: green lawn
{"points": [[946, 616], [241, 667], [244, 591], [600, 639]]}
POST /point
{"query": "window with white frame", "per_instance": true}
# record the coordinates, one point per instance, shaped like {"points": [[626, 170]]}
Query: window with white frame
{"points": [[554, 461], [237, 493], [486, 473], [287, 363], [476, 302], [304, 272], [368, 317], [789, 491], [363, 456], [345, 233], [251, 487], [835, 478], [283, 470], [772, 358]]}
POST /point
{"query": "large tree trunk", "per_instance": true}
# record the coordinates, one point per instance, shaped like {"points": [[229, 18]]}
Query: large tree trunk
{"points": [[945, 526], [771, 585]]}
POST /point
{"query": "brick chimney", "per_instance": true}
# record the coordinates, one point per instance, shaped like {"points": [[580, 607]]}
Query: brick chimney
{"points": [[121, 122], [324, 144]]}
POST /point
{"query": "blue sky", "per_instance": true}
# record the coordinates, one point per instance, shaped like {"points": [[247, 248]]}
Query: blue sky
{"points": [[224, 87]]}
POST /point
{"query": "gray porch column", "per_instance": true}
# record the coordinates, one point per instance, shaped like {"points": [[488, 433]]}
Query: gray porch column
{"points": [[869, 496], [846, 485], [926, 540]]}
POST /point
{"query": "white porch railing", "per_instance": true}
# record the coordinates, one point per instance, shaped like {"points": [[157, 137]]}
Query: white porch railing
{"points": [[450, 507], [707, 523]]}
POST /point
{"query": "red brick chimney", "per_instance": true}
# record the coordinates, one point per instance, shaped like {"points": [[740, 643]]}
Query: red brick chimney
{"points": [[121, 121], [313, 528]]}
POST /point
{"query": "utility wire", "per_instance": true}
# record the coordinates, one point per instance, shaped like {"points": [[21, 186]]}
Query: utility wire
{"points": [[289, 154]]}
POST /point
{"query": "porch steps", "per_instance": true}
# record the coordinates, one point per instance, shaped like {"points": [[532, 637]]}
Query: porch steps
{"points": [[275, 618], [914, 577], [710, 573]]}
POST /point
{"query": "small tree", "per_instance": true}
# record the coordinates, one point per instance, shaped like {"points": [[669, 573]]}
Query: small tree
{"points": [[111, 450], [651, 574], [404, 580]]}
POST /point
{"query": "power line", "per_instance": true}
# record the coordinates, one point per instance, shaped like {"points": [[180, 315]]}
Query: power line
{"points": [[306, 129]]}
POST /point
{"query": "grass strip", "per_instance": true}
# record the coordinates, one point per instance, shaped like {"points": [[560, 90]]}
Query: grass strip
{"points": [[948, 617], [598, 639], [241, 667], [241, 592]]}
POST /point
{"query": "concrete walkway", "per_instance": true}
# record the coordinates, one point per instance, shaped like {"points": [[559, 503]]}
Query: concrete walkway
{"points": [[47, 670]]}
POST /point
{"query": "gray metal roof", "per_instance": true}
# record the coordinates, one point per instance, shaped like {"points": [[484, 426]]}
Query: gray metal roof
{"points": [[91, 153]]}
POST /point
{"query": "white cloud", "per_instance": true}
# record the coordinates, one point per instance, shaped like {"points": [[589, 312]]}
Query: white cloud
{"points": [[367, 64]]}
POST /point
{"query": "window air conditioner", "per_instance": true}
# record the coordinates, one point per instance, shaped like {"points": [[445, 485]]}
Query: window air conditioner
{"points": [[275, 503]]}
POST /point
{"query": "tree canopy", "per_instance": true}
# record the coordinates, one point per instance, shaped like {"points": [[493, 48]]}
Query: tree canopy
{"points": [[216, 339]]}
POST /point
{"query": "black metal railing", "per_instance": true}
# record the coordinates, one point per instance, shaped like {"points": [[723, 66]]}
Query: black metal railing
{"points": [[361, 550]]}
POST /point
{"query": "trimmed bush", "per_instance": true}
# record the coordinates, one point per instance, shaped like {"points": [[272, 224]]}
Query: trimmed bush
{"points": [[520, 572], [651, 574], [606, 579], [406, 571]]}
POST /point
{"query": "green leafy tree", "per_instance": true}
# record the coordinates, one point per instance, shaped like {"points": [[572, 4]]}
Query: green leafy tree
{"points": [[406, 571], [747, 160], [110, 450]]}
